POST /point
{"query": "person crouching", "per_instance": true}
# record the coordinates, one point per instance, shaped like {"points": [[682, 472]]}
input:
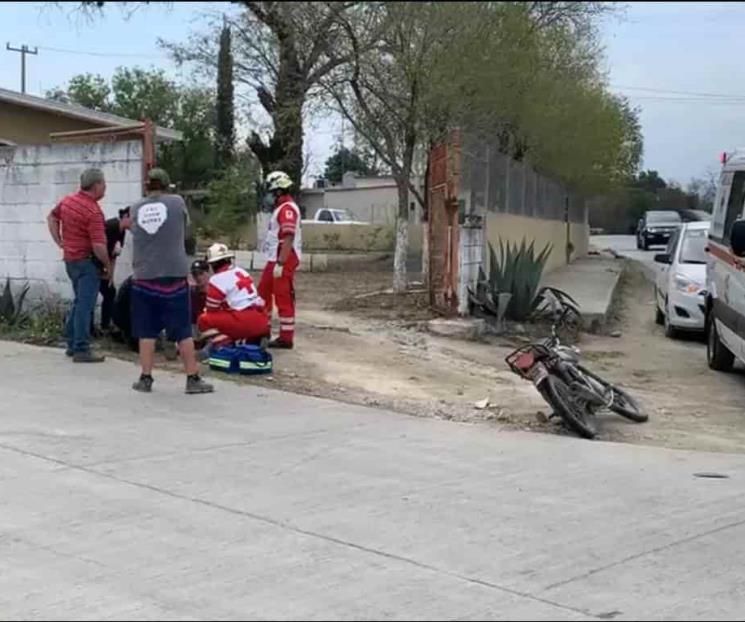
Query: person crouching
{"points": [[234, 310]]}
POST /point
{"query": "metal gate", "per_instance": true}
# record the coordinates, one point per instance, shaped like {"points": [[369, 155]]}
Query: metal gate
{"points": [[444, 175]]}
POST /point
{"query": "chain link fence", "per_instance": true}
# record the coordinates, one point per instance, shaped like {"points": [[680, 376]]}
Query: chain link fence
{"points": [[500, 184]]}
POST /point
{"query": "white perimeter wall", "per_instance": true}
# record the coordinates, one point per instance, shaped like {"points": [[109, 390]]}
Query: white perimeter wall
{"points": [[32, 183]]}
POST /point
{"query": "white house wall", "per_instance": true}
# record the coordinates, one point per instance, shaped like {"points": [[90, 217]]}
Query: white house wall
{"points": [[33, 181]]}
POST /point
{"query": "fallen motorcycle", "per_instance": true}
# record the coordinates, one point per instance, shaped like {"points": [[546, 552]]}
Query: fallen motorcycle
{"points": [[574, 393]]}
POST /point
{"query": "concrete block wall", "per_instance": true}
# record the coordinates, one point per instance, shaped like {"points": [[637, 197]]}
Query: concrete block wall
{"points": [[31, 183], [471, 251]]}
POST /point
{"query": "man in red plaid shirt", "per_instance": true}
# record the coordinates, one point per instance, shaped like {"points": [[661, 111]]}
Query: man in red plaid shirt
{"points": [[76, 225]]}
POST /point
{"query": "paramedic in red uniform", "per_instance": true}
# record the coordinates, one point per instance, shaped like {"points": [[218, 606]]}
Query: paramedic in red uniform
{"points": [[282, 249], [233, 311]]}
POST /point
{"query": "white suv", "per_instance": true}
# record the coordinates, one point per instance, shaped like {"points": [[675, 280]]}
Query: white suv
{"points": [[725, 269]]}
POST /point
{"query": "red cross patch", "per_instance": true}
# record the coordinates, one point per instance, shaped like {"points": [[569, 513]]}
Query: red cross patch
{"points": [[244, 282]]}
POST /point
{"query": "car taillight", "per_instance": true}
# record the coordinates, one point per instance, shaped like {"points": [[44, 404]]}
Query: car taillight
{"points": [[525, 361]]}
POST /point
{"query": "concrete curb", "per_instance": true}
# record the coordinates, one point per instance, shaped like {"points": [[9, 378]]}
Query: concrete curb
{"points": [[593, 282], [594, 322]]}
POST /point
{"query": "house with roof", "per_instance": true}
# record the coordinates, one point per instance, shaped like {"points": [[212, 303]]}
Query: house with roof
{"points": [[44, 146], [30, 120]]}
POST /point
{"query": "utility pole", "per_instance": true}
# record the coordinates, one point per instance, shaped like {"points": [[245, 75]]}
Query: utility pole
{"points": [[24, 49]]}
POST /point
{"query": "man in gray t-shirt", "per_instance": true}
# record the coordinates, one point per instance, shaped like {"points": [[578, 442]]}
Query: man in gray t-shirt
{"points": [[159, 225], [160, 291]]}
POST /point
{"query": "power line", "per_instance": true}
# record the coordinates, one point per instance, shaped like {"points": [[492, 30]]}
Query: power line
{"points": [[673, 92], [100, 54], [683, 100]]}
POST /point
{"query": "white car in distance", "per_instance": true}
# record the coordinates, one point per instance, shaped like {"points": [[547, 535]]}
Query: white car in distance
{"points": [[680, 287]]}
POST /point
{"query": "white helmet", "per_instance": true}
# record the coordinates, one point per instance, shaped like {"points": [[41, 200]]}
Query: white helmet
{"points": [[219, 251], [278, 180]]}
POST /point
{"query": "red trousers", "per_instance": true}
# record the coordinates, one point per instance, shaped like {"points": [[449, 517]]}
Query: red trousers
{"points": [[281, 292], [249, 324]]}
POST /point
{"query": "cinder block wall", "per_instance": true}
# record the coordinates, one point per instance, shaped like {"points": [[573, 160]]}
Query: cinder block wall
{"points": [[33, 181]]}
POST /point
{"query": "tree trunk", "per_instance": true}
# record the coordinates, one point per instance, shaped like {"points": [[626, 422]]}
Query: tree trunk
{"points": [[402, 237], [285, 149], [425, 224]]}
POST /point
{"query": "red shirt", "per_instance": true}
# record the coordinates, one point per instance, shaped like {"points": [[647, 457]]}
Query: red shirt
{"points": [[82, 225]]}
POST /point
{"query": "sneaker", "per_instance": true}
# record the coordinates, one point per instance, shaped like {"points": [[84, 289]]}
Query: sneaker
{"points": [[87, 357], [195, 384], [144, 384], [280, 344]]}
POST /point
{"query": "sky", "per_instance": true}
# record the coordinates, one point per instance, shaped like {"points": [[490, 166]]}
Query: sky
{"points": [[681, 63]]}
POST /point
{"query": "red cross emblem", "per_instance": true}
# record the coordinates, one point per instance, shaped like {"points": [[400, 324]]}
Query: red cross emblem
{"points": [[244, 282]]}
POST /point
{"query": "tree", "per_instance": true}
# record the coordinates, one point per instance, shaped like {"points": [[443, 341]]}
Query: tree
{"points": [[650, 181], [382, 91], [705, 188], [144, 94], [91, 91], [344, 160], [527, 73], [552, 106], [191, 161], [281, 50], [225, 126], [137, 94], [232, 199]]}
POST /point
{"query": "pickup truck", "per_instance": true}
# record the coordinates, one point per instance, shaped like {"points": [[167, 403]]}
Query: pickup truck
{"points": [[335, 216]]}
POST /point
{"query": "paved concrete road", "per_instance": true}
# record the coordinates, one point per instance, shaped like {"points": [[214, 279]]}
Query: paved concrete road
{"points": [[254, 504], [625, 246]]}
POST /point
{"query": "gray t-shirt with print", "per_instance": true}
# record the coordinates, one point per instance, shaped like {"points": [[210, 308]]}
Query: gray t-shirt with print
{"points": [[159, 226]]}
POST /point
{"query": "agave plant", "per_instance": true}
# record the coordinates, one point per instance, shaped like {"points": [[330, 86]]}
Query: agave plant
{"points": [[515, 270], [11, 309]]}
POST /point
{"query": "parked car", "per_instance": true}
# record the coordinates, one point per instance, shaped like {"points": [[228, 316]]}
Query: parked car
{"points": [[680, 287], [336, 217], [656, 227], [725, 270]]}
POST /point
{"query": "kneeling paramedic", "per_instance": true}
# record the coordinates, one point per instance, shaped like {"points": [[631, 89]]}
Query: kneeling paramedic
{"points": [[234, 311]]}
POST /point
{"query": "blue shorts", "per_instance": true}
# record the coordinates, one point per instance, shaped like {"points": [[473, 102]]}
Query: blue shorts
{"points": [[161, 304]]}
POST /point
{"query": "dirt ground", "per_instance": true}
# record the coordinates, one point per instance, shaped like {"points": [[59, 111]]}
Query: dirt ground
{"points": [[360, 344]]}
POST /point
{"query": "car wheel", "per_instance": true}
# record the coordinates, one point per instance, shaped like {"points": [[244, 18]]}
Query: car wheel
{"points": [[659, 316], [638, 243], [718, 356], [670, 331], [645, 244]]}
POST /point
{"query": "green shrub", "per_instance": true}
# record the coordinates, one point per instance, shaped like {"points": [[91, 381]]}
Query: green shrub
{"points": [[43, 323]]}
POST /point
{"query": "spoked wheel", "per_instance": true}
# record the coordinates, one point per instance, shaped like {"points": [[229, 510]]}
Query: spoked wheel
{"points": [[623, 404], [626, 406], [574, 412]]}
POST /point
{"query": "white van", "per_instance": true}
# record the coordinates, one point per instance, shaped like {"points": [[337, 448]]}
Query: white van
{"points": [[725, 268]]}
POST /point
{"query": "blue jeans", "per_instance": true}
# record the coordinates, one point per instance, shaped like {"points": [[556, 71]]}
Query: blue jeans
{"points": [[86, 280]]}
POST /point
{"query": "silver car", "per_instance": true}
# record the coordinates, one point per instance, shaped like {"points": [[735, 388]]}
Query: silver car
{"points": [[680, 288]]}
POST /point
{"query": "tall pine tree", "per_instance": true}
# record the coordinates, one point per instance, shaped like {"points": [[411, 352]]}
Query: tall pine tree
{"points": [[225, 114]]}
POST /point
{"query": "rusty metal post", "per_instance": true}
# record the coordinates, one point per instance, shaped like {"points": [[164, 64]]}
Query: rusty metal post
{"points": [[148, 151]]}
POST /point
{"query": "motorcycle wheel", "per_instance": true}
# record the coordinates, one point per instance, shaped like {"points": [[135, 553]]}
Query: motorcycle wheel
{"points": [[623, 404], [560, 397]]}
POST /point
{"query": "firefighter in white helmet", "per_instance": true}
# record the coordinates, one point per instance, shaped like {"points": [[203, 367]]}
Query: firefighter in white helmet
{"points": [[234, 311], [282, 251]]}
